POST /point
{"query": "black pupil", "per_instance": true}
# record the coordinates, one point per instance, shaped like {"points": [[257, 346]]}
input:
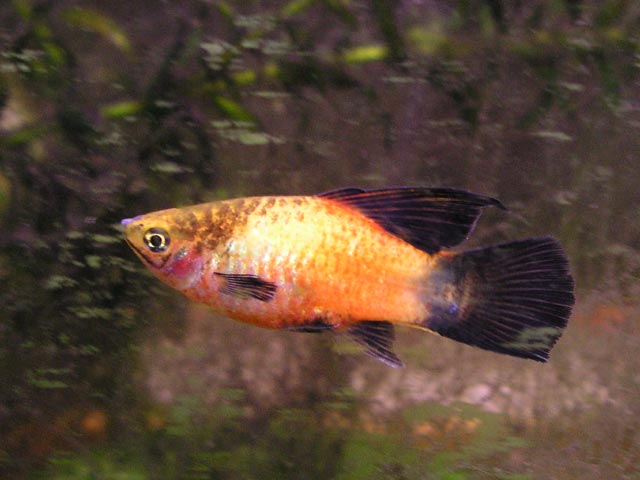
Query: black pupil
{"points": [[156, 240]]}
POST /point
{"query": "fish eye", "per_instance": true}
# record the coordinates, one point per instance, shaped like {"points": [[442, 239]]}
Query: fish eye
{"points": [[157, 240]]}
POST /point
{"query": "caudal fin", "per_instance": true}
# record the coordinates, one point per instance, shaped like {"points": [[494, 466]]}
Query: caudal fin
{"points": [[514, 298]]}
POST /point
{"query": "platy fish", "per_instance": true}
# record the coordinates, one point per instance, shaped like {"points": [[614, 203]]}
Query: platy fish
{"points": [[361, 261]]}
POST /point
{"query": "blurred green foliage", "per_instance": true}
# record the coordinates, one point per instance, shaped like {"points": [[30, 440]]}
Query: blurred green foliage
{"points": [[320, 442], [109, 111]]}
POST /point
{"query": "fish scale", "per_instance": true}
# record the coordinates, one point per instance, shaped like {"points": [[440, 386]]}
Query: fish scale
{"points": [[342, 279]]}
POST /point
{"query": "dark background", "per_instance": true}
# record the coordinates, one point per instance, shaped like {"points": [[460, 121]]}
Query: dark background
{"points": [[111, 109]]}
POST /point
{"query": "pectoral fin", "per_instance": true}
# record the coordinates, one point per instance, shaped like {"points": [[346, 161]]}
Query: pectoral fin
{"points": [[246, 286], [377, 338]]}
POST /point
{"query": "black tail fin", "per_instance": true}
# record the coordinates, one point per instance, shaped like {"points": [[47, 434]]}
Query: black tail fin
{"points": [[514, 298]]}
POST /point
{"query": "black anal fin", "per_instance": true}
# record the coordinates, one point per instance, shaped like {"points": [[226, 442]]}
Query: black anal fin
{"points": [[247, 286], [377, 338], [428, 218], [317, 325]]}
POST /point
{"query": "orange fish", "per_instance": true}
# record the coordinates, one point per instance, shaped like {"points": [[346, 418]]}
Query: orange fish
{"points": [[361, 262]]}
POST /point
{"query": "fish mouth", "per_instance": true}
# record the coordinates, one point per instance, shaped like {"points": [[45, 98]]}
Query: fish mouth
{"points": [[135, 249]]}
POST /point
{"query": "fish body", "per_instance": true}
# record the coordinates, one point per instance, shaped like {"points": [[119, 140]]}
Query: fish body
{"points": [[361, 261]]}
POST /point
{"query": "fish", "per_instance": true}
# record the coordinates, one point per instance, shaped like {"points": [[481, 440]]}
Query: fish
{"points": [[362, 262]]}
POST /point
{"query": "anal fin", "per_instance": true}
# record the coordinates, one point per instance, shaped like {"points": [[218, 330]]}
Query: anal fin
{"points": [[317, 325], [377, 338]]}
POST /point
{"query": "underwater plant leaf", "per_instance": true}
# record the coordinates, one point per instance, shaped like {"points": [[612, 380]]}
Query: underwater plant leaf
{"points": [[232, 109], [121, 109], [96, 22], [365, 54], [295, 7]]}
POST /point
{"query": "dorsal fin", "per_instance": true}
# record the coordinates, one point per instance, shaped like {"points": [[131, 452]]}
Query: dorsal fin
{"points": [[428, 218]]}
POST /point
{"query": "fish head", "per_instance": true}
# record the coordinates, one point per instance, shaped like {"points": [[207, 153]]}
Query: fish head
{"points": [[166, 243]]}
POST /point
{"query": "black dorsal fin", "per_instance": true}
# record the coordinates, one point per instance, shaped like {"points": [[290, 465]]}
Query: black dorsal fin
{"points": [[428, 218], [377, 338]]}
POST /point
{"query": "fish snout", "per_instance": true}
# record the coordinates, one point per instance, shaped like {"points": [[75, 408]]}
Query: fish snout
{"points": [[127, 221]]}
